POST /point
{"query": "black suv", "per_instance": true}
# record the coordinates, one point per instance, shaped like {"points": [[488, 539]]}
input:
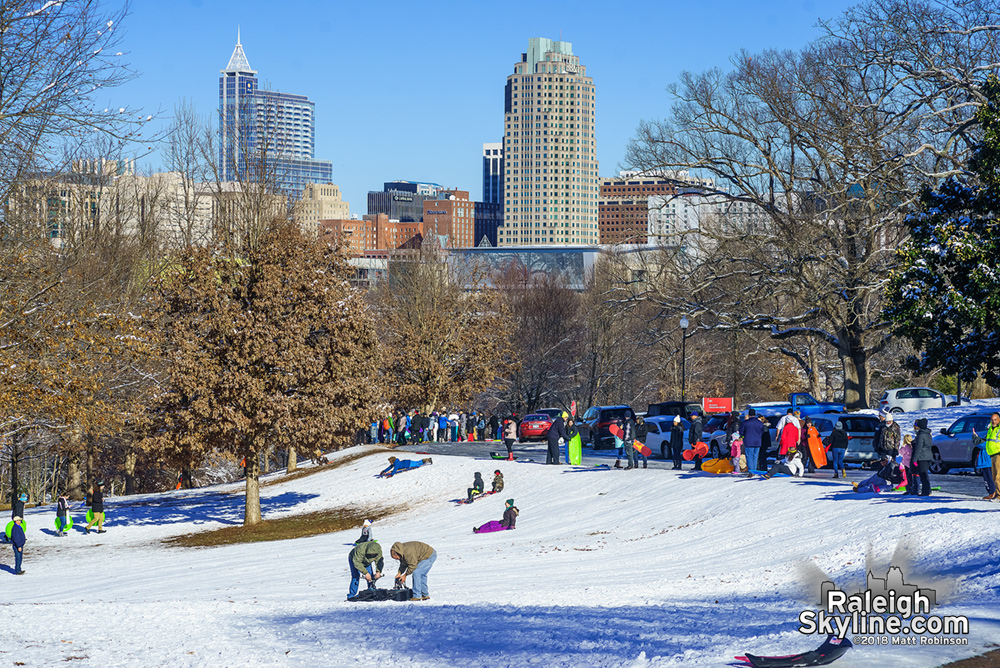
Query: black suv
{"points": [[682, 408], [595, 422]]}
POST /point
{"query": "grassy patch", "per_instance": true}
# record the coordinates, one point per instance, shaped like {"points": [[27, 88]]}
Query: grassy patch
{"points": [[285, 528], [329, 466], [988, 660]]}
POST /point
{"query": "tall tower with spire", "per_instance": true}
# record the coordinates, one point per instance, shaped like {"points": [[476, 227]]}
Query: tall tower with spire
{"points": [[257, 125]]}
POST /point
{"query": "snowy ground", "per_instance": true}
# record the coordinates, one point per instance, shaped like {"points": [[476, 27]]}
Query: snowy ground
{"points": [[606, 568]]}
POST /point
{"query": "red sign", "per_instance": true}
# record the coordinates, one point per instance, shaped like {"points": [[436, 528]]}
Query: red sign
{"points": [[717, 404]]}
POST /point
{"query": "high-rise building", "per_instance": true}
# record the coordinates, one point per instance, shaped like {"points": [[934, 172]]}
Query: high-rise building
{"points": [[550, 154], [402, 200], [493, 173], [266, 134]]}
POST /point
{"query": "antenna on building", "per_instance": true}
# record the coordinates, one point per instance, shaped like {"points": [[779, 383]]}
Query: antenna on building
{"points": [[237, 35]]}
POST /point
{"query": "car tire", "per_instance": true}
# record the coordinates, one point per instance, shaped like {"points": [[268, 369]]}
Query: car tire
{"points": [[952, 404], [937, 466], [594, 442], [715, 452], [896, 409]]}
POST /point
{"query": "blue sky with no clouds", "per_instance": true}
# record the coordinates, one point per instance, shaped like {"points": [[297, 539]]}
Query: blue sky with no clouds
{"points": [[411, 90]]}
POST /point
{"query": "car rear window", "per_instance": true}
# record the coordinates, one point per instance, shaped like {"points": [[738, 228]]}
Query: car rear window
{"points": [[613, 413], [859, 424], [536, 416]]}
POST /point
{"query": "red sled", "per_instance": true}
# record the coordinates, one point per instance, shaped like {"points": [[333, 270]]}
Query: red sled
{"points": [[699, 450]]}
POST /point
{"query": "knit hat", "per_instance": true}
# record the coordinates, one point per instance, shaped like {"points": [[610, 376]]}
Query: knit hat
{"points": [[497, 472], [510, 502], [888, 417], [922, 423], [23, 497], [752, 412], [366, 523], [677, 418]]}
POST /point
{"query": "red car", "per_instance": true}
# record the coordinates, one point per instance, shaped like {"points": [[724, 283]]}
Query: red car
{"points": [[535, 426]]}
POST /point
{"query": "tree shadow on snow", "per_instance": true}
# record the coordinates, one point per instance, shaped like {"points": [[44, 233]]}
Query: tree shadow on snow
{"points": [[213, 507], [550, 635]]}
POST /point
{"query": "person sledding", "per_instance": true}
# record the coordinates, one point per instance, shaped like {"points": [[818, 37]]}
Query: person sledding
{"points": [[399, 465], [508, 522], [477, 487], [889, 475], [497, 481], [791, 465]]}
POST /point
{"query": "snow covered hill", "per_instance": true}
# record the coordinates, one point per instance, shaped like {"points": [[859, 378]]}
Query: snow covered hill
{"points": [[606, 568]]}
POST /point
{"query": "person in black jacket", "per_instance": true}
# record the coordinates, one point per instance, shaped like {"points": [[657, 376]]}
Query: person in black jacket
{"points": [[921, 459], [641, 431], [17, 502], [97, 509], [495, 434], [676, 442], [557, 432], [694, 436], [477, 486], [837, 440]]}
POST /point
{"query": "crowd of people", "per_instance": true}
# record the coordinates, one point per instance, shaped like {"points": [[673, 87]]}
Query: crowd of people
{"points": [[446, 426]]}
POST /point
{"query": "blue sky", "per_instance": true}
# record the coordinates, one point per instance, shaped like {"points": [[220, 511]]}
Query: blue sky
{"points": [[408, 90]]}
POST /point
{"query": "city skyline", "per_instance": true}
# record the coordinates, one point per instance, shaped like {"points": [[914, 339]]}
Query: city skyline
{"points": [[387, 103]]}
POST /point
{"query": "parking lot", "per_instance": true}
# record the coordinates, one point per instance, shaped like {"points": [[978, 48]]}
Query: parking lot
{"points": [[958, 482]]}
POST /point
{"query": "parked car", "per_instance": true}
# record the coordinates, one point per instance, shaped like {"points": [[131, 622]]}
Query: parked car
{"points": [[658, 433], [953, 447], [535, 427], [551, 412], [860, 430], [682, 408], [594, 424], [906, 399], [800, 401]]}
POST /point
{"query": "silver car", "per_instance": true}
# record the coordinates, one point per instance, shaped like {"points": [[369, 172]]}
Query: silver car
{"points": [[953, 447]]}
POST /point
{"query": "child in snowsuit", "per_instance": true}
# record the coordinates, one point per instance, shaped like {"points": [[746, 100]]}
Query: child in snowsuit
{"points": [[497, 481], [508, 522], [366, 532], [739, 459], [477, 486], [906, 455]]}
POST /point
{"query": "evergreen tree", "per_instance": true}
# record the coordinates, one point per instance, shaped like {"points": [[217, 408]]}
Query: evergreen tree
{"points": [[945, 296]]}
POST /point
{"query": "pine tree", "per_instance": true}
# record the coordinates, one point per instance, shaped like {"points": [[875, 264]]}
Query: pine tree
{"points": [[945, 296], [273, 348]]}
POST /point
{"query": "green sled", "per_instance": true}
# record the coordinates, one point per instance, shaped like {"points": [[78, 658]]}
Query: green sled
{"points": [[575, 449]]}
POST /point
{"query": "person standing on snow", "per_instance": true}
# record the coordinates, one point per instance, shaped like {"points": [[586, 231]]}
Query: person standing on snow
{"points": [[991, 451], [695, 436], [788, 432], [414, 558], [627, 426], [641, 431], [365, 558], [62, 514], [887, 439], [366, 532], [556, 437], [751, 431], [676, 442], [17, 540], [509, 436], [96, 509], [922, 456], [837, 442], [494, 424]]}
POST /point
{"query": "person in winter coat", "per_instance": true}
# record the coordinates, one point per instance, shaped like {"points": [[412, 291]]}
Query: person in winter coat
{"points": [[808, 432], [556, 437], [97, 509], [886, 441], [365, 558], [497, 481], [641, 431], [494, 424], [62, 514], [751, 432], [788, 432], [627, 425], [507, 523], [415, 558], [399, 465], [991, 450], [366, 532], [17, 540], [17, 502], [509, 436], [676, 442], [837, 444], [888, 475], [694, 436], [791, 465], [921, 460], [477, 486]]}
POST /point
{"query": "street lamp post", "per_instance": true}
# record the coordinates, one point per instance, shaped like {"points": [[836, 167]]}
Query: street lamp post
{"points": [[684, 329]]}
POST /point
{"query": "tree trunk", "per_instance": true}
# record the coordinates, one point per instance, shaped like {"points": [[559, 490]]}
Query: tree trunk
{"points": [[267, 460], [815, 387], [90, 464], [130, 459], [251, 510], [855, 379], [74, 483], [293, 460], [15, 455]]}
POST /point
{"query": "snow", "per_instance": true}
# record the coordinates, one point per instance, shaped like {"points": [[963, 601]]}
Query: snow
{"points": [[606, 568]]}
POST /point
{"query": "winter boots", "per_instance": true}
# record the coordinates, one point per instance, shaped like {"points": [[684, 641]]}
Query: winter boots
{"points": [[618, 463], [644, 465]]}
